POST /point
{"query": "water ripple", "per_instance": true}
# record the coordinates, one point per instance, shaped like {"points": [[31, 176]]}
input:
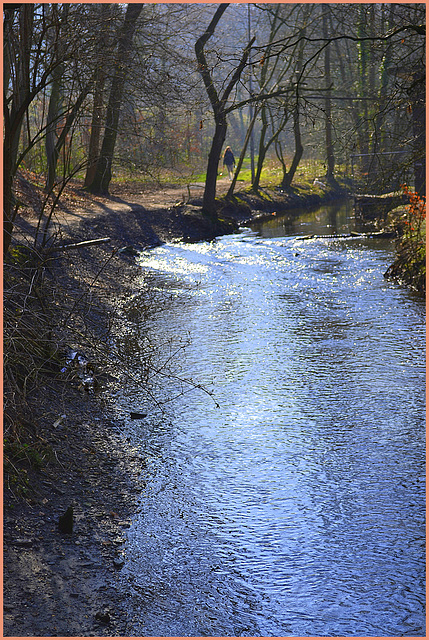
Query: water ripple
{"points": [[296, 508]]}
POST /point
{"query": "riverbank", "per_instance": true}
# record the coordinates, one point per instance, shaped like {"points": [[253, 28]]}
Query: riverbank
{"points": [[409, 266], [65, 446]]}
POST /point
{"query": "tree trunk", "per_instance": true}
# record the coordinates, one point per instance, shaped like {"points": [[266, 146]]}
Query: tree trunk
{"points": [[330, 159], [243, 153], [54, 108], [265, 145], [14, 115], [96, 126], [418, 107], [262, 149], [53, 117], [218, 104], [299, 150], [55, 153], [363, 137], [219, 114], [279, 154], [103, 173], [213, 165], [381, 139], [97, 108]]}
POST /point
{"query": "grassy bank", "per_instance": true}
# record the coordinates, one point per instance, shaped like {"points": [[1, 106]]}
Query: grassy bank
{"points": [[244, 204]]}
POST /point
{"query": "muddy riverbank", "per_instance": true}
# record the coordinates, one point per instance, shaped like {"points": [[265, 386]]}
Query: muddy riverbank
{"points": [[69, 452]]}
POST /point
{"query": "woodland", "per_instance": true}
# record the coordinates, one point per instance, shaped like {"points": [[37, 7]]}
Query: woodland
{"points": [[92, 91]]}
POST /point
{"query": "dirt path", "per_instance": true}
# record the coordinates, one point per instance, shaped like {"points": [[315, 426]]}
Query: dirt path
{"points": [[132, 212], [124, 198]]}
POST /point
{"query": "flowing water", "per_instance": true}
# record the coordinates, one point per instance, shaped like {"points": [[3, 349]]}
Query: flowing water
{"points": [[296, 506]]}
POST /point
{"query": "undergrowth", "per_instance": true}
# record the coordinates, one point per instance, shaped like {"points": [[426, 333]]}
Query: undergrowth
{"points": [[409, 266]]}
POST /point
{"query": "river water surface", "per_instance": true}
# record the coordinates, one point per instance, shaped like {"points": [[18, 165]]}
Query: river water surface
{"points": [[293, 504]]}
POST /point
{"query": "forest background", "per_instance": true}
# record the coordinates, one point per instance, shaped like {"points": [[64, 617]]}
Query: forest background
{"points": [[96, 92]]}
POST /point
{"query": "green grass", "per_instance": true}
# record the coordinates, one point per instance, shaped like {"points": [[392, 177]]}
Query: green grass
{"points": [[271, 175]]}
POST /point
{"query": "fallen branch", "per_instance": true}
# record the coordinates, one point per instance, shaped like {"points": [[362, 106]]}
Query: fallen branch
{"points": [[77, 245], [353, 234]]}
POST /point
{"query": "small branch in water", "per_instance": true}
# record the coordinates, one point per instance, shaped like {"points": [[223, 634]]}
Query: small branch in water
{"points": [[353, 234]]}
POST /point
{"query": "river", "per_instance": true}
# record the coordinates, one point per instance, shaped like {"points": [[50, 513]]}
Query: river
{"points": [[291, 503]]}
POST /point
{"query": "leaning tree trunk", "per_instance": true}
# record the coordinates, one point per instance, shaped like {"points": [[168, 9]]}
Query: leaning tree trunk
{"points": [[264, 145], [54, 153], [103, 173], [243, 153], [262, 149]]}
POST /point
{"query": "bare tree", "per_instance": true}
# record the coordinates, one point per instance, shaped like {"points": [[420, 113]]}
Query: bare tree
{"points": [[330, 158], [18, 94], [103, 173], [41, 43], [102, 51], [219, 106]]}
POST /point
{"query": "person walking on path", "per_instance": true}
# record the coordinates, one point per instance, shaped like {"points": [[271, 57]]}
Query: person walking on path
{"points": [[229, 162]]}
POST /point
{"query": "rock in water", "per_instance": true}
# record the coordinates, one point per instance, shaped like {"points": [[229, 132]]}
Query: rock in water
{"points": [[137, 416], [103, 616], [65, 522]]}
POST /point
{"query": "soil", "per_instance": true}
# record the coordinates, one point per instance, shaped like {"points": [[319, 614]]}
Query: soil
{"points": [[68, 584]]}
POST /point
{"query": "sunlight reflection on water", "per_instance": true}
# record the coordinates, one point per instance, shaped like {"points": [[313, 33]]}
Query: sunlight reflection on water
{"points": [[297, 506]]}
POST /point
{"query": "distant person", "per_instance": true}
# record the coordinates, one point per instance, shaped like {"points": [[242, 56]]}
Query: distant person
{"points": [[229, 162]]}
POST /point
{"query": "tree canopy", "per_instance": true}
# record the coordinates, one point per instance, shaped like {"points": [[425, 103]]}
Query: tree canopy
{"points": [[90, 89]]}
